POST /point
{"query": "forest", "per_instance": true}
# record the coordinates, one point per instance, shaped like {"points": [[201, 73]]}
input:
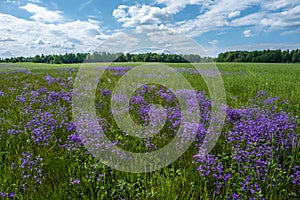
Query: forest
{"points": [[265, 56], [109, 57]]}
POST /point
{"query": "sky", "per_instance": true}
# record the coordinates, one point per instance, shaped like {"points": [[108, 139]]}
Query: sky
{"points": [[31, 27]]}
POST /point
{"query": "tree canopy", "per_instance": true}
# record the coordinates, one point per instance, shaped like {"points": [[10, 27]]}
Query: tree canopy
{"points": [[109, 57], [265, 56]]}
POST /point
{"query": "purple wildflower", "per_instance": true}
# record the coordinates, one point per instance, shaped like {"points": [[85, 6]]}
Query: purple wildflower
{"points": [[31, 167], [106, 92], [49, 79], [74, 181]]}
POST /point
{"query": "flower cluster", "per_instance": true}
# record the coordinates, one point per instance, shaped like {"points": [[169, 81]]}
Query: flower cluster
{"points": [[295, 175], [9, 195], [256, 152], [260, 139], [31, 167]]}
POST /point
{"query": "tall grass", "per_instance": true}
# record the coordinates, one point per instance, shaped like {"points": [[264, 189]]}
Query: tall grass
{"points": [[41, 156]]}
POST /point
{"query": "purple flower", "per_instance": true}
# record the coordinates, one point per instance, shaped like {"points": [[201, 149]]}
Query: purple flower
{"points": [[20, 99], [295, 175], [49, 79], [3, 194], [31, 167], [235, 196], [11, 195], [106, 92], [258, 136], [74, 181]]}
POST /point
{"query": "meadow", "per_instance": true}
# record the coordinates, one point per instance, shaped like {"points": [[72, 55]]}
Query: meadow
{"points": [[256, 157]]}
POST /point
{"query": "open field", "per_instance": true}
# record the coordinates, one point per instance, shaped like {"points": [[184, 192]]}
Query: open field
{"points": [[256, 157]]}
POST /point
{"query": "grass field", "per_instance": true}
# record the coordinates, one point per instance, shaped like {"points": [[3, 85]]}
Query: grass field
{"points": [[256, 157]]}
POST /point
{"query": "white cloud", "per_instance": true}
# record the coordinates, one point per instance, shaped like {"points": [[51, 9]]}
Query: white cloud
{"points": [[213, 15], [149, 38], [295, 31], [5, 53], [21, 2], [214, 18], [214, 51], [132, 16], [6, 39], [63, 44], [39, 42], [17, 3], [262, 46], [214, 42], [120, 12], [222, 33], [273, 20], [278, 4], [34, 37], [49, 32], [250, 19], [42, 14], [248, 33], [118, 41], [174, 7], [34, 1], [234, 14], [85, 4]]}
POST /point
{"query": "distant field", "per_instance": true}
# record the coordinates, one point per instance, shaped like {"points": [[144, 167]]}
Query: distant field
{"points": [[242, 81], [257, 155]]}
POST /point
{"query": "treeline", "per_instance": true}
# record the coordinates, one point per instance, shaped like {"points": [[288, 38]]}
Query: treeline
{"points": [[109, 57], [265, 56]]}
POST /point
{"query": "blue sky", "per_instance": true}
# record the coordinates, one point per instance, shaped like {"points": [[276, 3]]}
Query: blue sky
{"points": [[30, 27]]}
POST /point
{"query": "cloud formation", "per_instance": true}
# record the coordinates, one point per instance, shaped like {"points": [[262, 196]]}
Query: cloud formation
{"points": [[132, 16], [42, 14], [36, 37], [6, 39], [213, 15], [45, 28], [248, 33]]}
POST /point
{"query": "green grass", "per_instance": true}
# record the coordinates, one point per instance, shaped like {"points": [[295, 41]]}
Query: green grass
{"points": [[179, 180]]}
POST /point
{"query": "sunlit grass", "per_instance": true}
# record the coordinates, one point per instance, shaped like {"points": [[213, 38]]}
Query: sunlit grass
{"points": [[70, 173]]}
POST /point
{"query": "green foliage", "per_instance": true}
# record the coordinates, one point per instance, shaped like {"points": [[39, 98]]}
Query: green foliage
{"points": [[109, 57], [180, 180], [265, 56]]}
